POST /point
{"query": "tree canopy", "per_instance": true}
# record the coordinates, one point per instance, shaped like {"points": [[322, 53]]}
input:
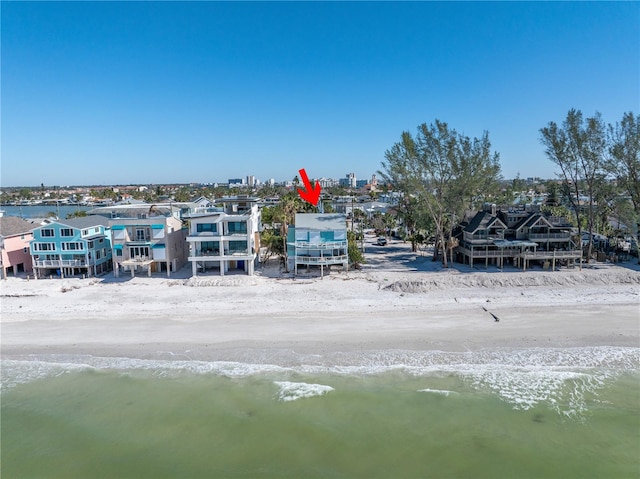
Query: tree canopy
{"points": [[589, 154], [442, 174]]}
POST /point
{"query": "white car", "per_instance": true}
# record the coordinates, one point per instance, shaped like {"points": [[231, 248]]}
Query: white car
{"points": [[382, 241]]}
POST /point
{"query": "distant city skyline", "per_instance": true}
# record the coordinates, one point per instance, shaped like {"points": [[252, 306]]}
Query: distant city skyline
{"points": [[114, 93]]}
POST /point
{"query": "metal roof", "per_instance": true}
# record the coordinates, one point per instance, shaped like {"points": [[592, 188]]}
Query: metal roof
{"points": [[82, 222], [321, 221]]}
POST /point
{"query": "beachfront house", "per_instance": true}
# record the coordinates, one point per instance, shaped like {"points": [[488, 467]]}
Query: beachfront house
{"points": [[225, 238], [517, 236], [318, 240], [71, 247], [146, 238], [15, 235]]}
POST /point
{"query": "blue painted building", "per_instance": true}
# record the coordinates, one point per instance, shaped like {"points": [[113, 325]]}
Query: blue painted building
{"points": [[318, 240], [76, 246]]}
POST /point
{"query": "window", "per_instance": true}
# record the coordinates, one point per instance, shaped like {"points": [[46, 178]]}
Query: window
{"points": [[138, 251], [326, 236], [90, 245], [212, 227], [98, 255], [119, 252], [72, 246], [237, 247], [25, 250], [210, 248], [237, 228], [44, 246], [66, 232], [141, 234], [85, 232], [46, 233]]}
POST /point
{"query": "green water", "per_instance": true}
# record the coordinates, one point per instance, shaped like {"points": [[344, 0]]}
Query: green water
{"points": [[95, 424]]}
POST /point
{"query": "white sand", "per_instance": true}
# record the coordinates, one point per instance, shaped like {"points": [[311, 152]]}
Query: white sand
{"points": [[400, 300]]}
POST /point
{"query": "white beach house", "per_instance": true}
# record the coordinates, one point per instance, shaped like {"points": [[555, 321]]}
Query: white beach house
{"points": [[226, 238], [146, 238]]}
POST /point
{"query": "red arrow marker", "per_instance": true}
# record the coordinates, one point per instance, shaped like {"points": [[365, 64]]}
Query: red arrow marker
{"points": [[312, 193]]}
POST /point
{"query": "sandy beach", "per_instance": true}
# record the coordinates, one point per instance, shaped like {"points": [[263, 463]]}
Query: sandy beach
{"points": [[398, 300], [398, 369]]}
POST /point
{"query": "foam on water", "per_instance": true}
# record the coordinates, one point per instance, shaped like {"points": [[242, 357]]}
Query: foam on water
{"points": [[22, 372], [442, 392], [563, 379], [290, 391]]}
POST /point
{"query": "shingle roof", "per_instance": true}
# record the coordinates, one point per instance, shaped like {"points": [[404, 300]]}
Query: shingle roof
{"points": [[531, 220], [483, 219], [13, 226], [476, 221]]}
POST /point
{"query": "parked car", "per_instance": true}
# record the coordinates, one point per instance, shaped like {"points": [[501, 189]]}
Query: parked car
{"points": [[382, 241]]}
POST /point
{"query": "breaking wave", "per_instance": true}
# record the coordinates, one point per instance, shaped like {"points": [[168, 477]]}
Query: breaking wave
{"points": [[290, 391], [563, 379]]}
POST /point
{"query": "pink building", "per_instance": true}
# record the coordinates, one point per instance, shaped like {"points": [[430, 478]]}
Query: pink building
{"points": [[15, 234]]}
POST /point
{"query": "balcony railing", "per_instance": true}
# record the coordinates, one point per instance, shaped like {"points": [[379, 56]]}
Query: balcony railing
{"points": [[551, 254], [236, 252], [549, 236], [492, 253], [482, 239], [59, 263], [207, 253], [513, 253], [329, 245], [322, 259], [233, 255], [139, 259]]}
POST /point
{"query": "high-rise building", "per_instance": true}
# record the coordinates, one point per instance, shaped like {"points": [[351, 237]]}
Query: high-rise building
{"points": [[349, 180]]}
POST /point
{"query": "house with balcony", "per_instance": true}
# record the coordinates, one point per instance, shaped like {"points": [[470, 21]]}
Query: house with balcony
{"points": [[71, 247], [318, 240], [517, 236], [146, 238], [226, 238], [15, 235]]}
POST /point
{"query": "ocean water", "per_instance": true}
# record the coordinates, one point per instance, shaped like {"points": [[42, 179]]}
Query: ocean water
{"points": [[536, 413]]}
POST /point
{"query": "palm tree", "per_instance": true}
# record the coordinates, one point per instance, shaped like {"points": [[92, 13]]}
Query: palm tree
{"points": [[284, 213]]}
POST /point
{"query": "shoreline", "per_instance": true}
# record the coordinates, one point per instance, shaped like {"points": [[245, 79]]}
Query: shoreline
{"points": [[346, 312]]}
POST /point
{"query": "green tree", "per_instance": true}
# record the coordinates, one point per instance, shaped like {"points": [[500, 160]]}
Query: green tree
{"points": [[273, 245], [624, 155], [553, 197], [24, 193], [77, 214], [284, 213], [578, 148], [183, 194], [446, 172], [327, 206], [356, 258]]}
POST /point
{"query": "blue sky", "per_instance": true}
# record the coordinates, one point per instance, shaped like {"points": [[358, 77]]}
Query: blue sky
{"points": [[160, 92]]}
